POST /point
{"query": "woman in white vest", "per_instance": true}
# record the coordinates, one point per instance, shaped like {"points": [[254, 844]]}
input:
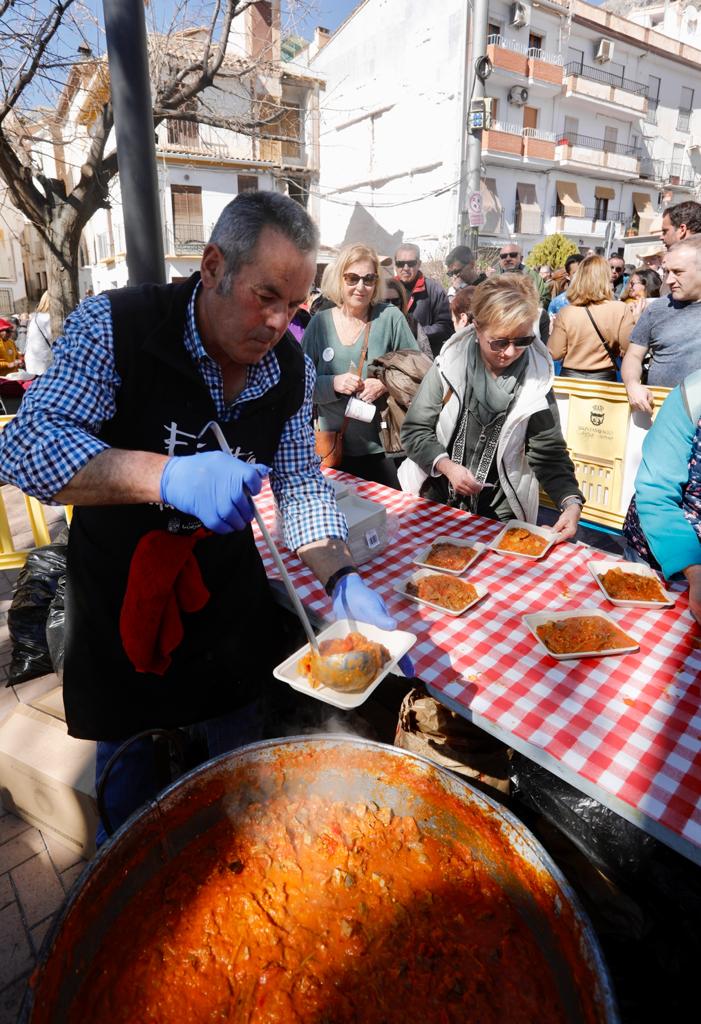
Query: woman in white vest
{"points": [[483, 431]]}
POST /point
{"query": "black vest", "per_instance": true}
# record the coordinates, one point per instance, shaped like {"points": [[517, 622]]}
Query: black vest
{"points": [[163, 406]]}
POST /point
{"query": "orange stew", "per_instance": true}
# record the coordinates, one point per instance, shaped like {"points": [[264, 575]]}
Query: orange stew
{"points": [[443, 590], [450, 556], [584, 633], [522, 541], [344, 645], [631, 586], [315, 910]]}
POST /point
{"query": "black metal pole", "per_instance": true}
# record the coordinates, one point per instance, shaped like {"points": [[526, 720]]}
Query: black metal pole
{"points": [[125, 27]]}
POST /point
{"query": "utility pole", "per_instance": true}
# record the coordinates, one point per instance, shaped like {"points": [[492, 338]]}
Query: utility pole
{"points": [[479, 71], [130, 85]]}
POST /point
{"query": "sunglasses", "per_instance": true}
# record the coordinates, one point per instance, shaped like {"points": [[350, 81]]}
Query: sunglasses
{"points": [[455, 272], [501, 344], [353, 279], [394, 302], [507, 255], [406, 263]]}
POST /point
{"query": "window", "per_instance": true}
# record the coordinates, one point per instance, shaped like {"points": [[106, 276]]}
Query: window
{"points": [[530, 117], [575, 61], [601, 208], [247, 182], [291, 126], [298, 190], [535, 42], [183, 133], [686, 106], [493, 30], [7, 263], [610, 139], [188, 229], [653, 98], [675, 170]]}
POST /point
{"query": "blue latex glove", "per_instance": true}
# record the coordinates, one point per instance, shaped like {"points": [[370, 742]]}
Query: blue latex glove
{"points": [[353, 600], [212, 486]]}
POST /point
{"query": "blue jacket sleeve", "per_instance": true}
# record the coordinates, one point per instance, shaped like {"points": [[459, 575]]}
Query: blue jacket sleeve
{"points": [[662, 476]]}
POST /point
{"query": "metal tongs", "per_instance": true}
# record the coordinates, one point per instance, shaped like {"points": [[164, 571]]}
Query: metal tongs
{"points": [[351, 670]]}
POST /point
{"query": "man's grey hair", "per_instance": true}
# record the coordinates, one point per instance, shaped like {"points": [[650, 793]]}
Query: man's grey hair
{"points": [[241, 222], [407, 245]]}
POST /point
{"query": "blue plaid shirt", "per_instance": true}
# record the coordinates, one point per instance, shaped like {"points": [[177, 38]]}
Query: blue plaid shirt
{"points": [[54, 433]]}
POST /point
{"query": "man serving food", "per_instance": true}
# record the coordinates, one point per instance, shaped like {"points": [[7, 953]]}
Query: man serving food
{"points": [[169, 615]]}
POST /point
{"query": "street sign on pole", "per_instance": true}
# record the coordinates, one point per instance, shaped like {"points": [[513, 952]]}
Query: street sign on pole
{"points": [[474, 209]]}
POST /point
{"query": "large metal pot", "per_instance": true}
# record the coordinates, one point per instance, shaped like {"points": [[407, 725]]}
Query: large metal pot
{"points": [[351, 769]]}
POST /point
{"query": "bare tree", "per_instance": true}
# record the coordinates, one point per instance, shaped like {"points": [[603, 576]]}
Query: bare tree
{"points": [[50, 51]]}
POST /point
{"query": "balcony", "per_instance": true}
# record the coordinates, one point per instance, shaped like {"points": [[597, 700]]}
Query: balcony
{"points": [[597, 157], [592, 222], [605, 90], [664, 173], [186, 239], [513, 143], [516, 59]]}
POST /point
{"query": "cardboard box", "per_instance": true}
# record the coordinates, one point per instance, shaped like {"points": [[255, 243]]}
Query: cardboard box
{"points": [[367, 526], [48, 778]]}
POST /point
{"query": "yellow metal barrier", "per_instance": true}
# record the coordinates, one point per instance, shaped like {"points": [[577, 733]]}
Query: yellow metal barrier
{"points": [[604, 438], [10, 556]]}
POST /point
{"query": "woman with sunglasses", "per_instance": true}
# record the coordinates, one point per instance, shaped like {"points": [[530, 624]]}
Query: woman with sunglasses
{"points": [[483, 432], [593, 330], [334, 341], [395, 294]]}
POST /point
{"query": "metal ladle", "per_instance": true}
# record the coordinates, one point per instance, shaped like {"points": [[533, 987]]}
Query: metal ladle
{"points": [[351, 671]]}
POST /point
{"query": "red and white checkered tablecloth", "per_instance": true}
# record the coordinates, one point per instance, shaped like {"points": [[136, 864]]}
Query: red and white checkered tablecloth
{"points": [[629, 726]]}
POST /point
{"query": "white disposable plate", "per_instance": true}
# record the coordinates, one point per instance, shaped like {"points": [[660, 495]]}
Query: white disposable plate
{"points": [[400, 588], [421, 557], [599, 568], [540, 531], [397, 642], [536, 619]]}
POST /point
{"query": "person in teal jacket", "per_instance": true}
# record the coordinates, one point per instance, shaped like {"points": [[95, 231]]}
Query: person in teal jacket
{"points": [[663, 524]]}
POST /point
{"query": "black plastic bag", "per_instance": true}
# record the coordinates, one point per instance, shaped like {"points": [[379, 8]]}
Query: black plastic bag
{"points": [[615, 845], [56, 628], [26, 619]]}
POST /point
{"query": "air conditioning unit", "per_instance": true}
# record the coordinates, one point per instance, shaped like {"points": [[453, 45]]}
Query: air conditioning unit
{"points": [[519, 15], [603, 51], [518, 95]]}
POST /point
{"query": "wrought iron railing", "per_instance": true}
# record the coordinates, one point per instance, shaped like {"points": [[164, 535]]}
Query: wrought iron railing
{"points": [[528, 51], [590, 213], [667, 173], [683, 120], [187, 239], [537, 133], [506, 126], [575, 67], [601, 145]]}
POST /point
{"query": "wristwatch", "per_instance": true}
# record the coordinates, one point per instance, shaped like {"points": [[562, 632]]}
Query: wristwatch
{"points": [[573, 499]]}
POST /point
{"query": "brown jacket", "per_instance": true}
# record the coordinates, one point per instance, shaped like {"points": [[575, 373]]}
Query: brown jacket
{"points": [[574, 340]]}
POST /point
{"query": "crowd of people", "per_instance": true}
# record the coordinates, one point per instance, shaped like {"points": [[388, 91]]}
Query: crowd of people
{"points": [[213, 358]]}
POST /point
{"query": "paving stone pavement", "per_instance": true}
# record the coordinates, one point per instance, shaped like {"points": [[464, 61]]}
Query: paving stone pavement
{"points": [[36, 871]]}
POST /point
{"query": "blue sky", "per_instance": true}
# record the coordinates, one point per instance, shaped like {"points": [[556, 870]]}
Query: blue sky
{"points": [[329, 13]]}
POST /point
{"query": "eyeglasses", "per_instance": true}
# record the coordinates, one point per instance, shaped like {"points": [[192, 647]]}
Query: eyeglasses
{"points": [[353, 279], [507, 255], [501, 344], [399, 264], [455, 272]]}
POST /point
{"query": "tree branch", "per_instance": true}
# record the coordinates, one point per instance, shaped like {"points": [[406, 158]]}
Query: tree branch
{"points": [[45, 34]]}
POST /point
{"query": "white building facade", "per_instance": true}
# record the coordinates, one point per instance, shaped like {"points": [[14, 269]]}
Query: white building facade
{"points": [[595, 124]]}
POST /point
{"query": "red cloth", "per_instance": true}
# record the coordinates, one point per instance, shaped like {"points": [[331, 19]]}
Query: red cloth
{"points": [[164, 580]]}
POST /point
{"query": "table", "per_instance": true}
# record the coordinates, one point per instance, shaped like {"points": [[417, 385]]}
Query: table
{"points": [[624, 730]]}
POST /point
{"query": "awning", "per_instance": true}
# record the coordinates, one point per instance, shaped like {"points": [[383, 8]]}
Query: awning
{"points": [[491, 206], [569, 198], [642, 203], [604, 192], [529, 221]]}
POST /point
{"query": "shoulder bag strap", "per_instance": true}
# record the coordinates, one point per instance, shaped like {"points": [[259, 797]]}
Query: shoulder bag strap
{"points": [[363, 354], [602, 339]]}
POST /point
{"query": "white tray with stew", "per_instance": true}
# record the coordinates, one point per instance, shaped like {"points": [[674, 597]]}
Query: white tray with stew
{"points": [[599, 569], [475, 547], [448, 581], [624, 644], [397, 642], [542, 532]]}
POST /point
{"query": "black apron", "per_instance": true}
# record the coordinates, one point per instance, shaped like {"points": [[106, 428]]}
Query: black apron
{"points": [[228, 649]]}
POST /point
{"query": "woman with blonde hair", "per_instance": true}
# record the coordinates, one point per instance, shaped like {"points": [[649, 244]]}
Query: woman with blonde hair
{"points": [[342, 342], [591, 333], [483, 433], [37, 355]]}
